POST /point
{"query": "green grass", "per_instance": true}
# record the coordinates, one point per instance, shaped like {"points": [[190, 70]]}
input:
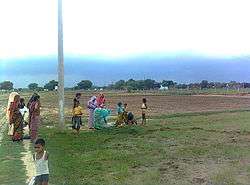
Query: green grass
{"points": [[12, 170], [182, 148], [168, 150]]}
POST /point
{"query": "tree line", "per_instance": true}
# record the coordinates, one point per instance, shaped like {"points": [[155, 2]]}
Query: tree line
{"points": [[132, 84]]}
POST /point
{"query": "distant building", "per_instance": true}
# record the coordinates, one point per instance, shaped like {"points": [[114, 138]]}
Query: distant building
{"points": [[162, 88]]}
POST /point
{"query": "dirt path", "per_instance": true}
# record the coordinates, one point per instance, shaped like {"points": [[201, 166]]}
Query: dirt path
{"points": [[27, 160], [3, 125]]}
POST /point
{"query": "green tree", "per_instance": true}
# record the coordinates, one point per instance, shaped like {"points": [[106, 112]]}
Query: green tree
{"points": [[51, 85], [33, 86], [149, 84], [6, 85], [84, 84], [131, 84], [120, 84], [204, 84]]}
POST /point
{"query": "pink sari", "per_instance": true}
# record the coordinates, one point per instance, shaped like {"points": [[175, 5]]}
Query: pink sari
{"points": [[34, 119]]}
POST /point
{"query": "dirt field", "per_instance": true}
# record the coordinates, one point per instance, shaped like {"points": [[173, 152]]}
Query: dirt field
{"points": [[158, 104]]}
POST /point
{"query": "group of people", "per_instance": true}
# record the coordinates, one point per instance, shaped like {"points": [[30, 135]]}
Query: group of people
{"points": [[20, 116], [98, 113]]}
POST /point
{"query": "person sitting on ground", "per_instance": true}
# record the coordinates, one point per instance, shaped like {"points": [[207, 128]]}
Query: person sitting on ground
{"points": [[120, 111], [125, 113], [131, 120], [77, 116], [100, 118]]}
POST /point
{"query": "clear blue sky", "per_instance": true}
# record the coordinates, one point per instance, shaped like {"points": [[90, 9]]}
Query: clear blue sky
{"points": [[118, 28]]}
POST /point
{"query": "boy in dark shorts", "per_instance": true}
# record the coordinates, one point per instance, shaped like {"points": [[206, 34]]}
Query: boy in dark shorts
{"points": [[41, 163]]}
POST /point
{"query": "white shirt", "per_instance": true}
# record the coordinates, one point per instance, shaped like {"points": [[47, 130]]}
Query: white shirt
{"points": [[42, 166], [25, 113]]}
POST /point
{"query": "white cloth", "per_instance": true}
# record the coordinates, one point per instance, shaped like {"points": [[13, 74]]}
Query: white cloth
{"points": [[11, 99], [25, 113], [42, 166]]}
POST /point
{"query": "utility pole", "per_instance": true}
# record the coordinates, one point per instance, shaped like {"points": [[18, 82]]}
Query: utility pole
{"points": [[60, 66]]}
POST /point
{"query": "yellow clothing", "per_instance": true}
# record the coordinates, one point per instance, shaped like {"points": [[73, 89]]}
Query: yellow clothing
{"points": [[77, 111]]}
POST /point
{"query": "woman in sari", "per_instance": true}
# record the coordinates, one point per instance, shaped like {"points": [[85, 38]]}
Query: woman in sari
{"points": [[34, 117], [16, 119], [91, 108], [11, 100], [100, 101]]}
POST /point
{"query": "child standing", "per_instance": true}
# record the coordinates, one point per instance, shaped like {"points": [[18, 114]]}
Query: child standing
{"points": [[41, 163], [24, 111], [25, 114], [143, 110], [77, 116]]}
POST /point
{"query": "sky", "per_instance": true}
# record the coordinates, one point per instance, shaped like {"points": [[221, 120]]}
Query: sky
{"points": [[124, 28], [200, 39]]}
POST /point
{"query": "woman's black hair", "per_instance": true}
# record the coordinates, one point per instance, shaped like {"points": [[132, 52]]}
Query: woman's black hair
{"points": [[36, 97], [22, 104]]}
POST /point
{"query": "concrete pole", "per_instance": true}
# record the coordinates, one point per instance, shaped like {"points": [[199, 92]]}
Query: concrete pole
{"points": [[60, 66]]}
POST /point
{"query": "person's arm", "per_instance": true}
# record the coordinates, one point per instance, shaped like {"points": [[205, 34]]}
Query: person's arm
{"points": [[37, 106], [11, 112], [91, 106], [46, 157]]}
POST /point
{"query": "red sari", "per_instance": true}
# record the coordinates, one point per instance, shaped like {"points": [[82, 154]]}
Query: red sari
{"points": [[100, 102], [17, 120]]}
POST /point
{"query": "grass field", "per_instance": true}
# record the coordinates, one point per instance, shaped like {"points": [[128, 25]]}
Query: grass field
{"points": [[188, 140]]}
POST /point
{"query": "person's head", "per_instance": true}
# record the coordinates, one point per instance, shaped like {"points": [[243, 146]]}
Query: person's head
{"points": [[22, 100], [144, 100], [36, 97], [78, 95], [101, 95], [125, 104], [22, 104], [119, 104], [39, 145], [93, 98], [17, 98]]}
